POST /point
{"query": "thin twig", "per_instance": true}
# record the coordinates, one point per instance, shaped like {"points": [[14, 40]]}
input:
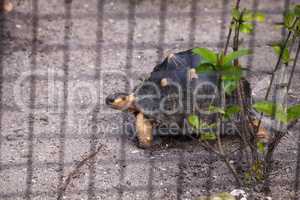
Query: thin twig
{"points": [[276, 68], [230, 29], [76, 171], [269, 159], [223, 157], [293, 67], [245, 135]]}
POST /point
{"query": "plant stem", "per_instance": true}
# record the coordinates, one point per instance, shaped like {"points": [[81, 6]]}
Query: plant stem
{"points": [[276, 68], [269, 159], [245, 135], [294, 66], [237, 5], [225, 159], [233, 171]]}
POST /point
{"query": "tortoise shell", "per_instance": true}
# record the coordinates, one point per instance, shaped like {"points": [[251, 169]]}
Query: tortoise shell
{"points": [[174, 90]]}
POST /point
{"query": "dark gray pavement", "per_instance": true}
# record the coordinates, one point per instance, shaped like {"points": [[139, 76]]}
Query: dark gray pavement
{"points": [[82, 51]]}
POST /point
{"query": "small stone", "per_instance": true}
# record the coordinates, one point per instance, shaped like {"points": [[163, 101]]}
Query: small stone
{"points": [[238, 192], [164, 82], [18, 26], [7, 7], [135, 151]]}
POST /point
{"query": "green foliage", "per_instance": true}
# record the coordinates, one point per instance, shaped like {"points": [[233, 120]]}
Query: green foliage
{"points": [[290, 18], [198, 124], [297, 10], [218, 61], [246, 28], [232, 73], [235, 13], [206, 54], [231, 111], [261, 147], [194, 121], [228, 112], [221, 64], [229, 86], [264, 107], [292, 113], [215, 109], [244, 20], [207, 136], [235, 55], [272, 109], [248, 15], [205, 68], [255, 173], [278, 48]]}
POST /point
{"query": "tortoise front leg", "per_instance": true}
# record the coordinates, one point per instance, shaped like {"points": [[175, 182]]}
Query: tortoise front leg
{"points": [[144, 131]]}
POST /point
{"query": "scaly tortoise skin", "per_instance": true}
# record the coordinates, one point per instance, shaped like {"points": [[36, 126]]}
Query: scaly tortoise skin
{"points": [[175, 88]]}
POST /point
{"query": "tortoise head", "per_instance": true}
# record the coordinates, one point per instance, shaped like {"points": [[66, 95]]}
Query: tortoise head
{"points": [[120, 101]]}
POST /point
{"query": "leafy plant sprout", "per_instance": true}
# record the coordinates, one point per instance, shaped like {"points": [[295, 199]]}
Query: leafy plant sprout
{"points": [[258, 148]]}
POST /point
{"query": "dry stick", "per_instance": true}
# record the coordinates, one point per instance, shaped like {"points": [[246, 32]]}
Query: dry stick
{"points": [[76, 171]]}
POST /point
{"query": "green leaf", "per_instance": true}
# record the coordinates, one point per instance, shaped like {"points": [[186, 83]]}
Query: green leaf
{"points": [[205, 68], [235, 14], [293, 113], [260, 17], [236, 54], [297, 10], [261, 147], [227, 112], [215, 109], [206, 54], [289, 19], [229, 86], [232, 73], [230, 111], [194, 121], [265, 107], [208, 136], [285, 56], [250, 16], [270, 109], [246, 28]]}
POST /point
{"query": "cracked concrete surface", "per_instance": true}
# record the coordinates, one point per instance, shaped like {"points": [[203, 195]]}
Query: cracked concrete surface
{"points": [[84, 50]]}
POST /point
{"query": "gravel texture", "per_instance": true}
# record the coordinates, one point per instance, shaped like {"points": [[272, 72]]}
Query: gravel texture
{"points": [[81, 51]]}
